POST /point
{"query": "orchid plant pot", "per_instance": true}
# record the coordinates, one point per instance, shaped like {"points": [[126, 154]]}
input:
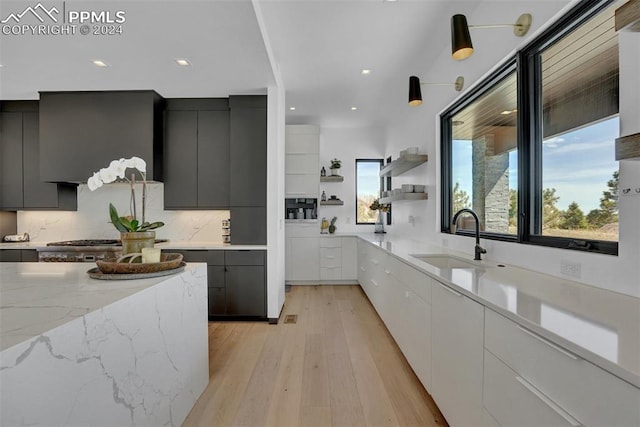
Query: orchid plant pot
{"points": [[134, 241], [335, 171]]}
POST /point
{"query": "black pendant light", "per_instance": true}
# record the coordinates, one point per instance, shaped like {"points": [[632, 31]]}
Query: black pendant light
{"points": [[415, 95], [461, 46]]}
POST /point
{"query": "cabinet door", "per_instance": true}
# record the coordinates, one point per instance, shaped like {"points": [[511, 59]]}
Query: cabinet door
{"points": [[457, 351], [249, 225], [37, 194], [303, 261], [217, 290], [246, 293], [181, 160], [213, 159], [349, 258], [248, 152], [11, 161]]}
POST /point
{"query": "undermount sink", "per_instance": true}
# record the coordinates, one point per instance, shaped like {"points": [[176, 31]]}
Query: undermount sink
{"points": [[448, 261]]}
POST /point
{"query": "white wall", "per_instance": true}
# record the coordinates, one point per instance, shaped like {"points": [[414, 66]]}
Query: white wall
{"points": [[419, 127], [346, 145], [91, 220]]}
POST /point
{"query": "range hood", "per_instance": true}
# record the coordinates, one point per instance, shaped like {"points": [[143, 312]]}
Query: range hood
{"points": [[81, 132]]}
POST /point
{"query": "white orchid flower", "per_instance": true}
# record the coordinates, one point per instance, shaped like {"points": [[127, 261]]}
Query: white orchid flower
{"points": [[117, 167], [139, 164], [107, 175], [94, 182]]}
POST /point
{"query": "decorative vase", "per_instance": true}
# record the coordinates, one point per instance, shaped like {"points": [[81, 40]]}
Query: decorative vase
{"points": [[134, 241], [379, 227], [334, 171]]}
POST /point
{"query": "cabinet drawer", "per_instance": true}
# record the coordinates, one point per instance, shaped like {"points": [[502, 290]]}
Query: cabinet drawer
{"points": [[514, 402], [330, 242], [413, 279], [210, 257], [589, 393], [330, 273], [330, 257], [241, 257]]}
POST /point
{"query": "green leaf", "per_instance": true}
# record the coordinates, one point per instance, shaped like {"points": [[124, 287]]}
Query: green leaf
{"points": [[150, 226], [134, 225], [115, 219]]}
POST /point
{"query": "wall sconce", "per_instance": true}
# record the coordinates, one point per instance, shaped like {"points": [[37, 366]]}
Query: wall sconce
{"points": [[415, 95], [461, 46]]}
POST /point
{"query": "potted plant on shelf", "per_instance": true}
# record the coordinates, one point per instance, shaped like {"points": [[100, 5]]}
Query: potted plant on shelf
{"points": [[381, 208], [135, 233], [335, 167]]}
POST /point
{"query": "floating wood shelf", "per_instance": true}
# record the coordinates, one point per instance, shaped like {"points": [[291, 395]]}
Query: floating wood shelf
{"points": [[403, 164], [403, 196], [628, 147], [332, 178], [331, 203]]}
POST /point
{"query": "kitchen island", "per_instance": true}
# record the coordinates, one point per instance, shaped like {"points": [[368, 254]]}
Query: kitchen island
{"points": [[80, 351]]}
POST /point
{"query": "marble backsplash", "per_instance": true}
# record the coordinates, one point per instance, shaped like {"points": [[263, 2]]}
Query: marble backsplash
{"points": [[91, 220]]}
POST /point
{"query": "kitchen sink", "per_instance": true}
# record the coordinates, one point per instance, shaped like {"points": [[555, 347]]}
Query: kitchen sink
{"points": [[447, 261]]}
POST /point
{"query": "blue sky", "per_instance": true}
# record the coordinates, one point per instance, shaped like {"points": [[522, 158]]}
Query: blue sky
{"points": [[577, 164], [368, 178]]}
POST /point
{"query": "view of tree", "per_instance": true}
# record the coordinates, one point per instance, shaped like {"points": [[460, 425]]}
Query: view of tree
{"points": [[460, 198], [608, 211], [551, 215], [573, 218], [513, 207], [364, 214]]}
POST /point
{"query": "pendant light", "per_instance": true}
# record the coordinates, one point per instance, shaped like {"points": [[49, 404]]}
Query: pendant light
{"points": [[415, 94], [461, 46]]}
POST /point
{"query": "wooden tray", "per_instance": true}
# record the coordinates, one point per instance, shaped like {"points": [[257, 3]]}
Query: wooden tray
{"points": [[95, 273], [168, 261]]}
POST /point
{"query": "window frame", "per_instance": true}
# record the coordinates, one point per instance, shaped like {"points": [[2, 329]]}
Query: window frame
{"points": [[527, 65], [380, 187]]}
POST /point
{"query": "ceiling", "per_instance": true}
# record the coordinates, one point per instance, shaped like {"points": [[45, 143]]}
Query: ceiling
{"points": [[320, 48]]}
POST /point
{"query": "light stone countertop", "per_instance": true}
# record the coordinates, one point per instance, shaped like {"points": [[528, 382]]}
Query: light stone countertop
{"points": [[599, 325], [38, 297], [186, 245]]}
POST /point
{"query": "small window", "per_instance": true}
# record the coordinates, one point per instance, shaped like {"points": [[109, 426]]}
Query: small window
{"points": [[368, 186]]}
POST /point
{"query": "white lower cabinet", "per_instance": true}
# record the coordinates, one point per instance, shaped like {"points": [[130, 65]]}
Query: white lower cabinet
{"points": [[456, 354], [513, 401], [303, 258], [580, 392]]}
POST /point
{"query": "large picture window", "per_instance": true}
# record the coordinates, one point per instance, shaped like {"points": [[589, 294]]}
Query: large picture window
{"points": [[368, 186], [531, 149]]}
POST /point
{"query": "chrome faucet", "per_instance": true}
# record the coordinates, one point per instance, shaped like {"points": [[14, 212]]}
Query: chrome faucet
{"points": [[478, 249]]}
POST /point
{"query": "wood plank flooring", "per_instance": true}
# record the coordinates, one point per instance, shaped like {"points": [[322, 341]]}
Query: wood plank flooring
{"points": [[337, 366]]}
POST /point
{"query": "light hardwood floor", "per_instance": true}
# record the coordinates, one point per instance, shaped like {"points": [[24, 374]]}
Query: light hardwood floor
{"points": [[337, 366]]}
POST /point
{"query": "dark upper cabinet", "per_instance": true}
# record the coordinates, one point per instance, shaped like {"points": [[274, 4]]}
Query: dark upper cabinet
{"points": [[248, 225], [196, 154], [21, 186], [81, 132], [248, 151]]}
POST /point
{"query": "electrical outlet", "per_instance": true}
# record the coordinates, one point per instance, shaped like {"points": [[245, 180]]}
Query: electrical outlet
{"points": [[570, 268], [629, 191]]}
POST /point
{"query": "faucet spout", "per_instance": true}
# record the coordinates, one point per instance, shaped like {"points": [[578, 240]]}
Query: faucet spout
{"points": [[478, 250]]}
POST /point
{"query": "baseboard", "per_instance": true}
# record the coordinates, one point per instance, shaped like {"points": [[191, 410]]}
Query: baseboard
{"points": [[321, 282]]}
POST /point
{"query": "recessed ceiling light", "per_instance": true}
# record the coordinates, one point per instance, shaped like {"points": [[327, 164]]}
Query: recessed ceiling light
{"points": [[354, 108], [99, 63], [365, 71], [183, 62], [292, 108]]}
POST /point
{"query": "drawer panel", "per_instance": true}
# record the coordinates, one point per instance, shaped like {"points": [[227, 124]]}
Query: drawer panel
{"points": [[330, 242], [413, 279], [302, 164], [587, 392], [330, 257], [241, 257], [210, 257], [330, 273], [513, 402]]}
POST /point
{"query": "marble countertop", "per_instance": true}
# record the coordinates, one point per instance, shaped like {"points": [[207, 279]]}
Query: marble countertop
{"points": [[38, 297], [166, 245], [598, 325]]}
